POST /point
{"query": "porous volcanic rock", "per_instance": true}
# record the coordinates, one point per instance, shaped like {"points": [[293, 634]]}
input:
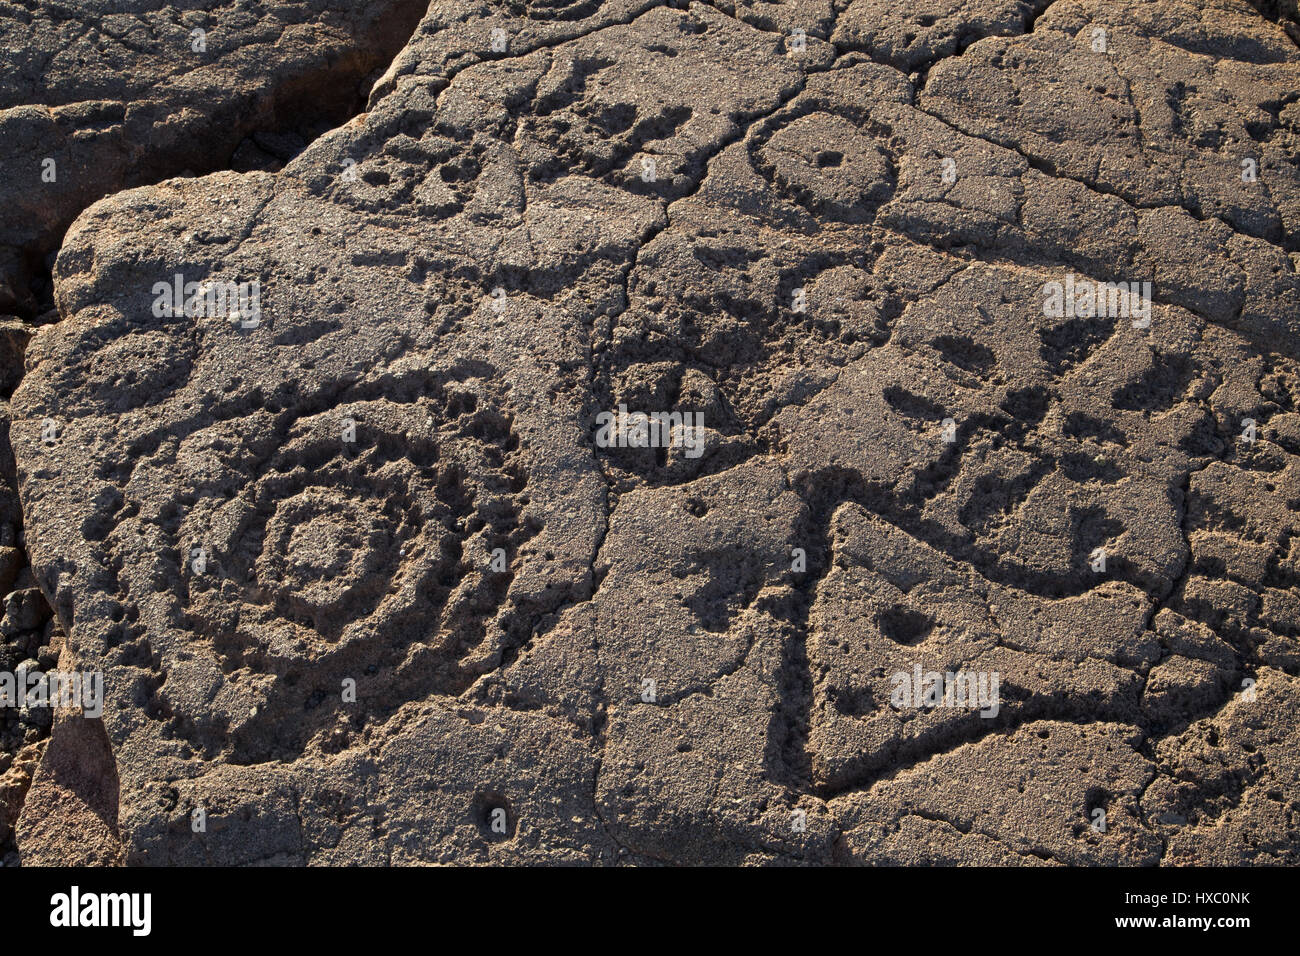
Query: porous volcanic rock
{"points": [[366, 588], [96, 96]]}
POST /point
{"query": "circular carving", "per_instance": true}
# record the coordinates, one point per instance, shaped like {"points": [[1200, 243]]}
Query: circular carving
{"points": [[827, 165]]}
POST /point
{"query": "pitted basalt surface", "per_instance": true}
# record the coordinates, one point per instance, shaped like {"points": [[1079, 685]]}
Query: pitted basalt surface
{"points": [[97, 96], [365, 588]]}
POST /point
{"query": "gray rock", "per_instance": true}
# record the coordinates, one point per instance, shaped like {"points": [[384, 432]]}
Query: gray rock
{"points": [[95, 98], [365, 587], [24, 610]]}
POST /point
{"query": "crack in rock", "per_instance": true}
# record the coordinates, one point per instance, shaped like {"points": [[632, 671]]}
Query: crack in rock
{"points": [[961, 527]]}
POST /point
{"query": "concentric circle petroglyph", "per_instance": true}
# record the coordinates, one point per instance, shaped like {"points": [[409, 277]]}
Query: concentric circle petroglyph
{"points": [[974, 539]]}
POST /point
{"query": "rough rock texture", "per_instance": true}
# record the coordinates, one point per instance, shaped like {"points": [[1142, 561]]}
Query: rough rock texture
{"points": [[96, 96], [827, 227]]}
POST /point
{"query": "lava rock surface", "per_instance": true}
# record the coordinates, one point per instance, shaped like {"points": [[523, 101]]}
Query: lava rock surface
{"points": [[364, 586]]}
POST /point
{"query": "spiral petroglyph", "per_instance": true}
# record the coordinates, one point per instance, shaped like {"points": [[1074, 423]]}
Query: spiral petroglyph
{"points": [[663, 433]]}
